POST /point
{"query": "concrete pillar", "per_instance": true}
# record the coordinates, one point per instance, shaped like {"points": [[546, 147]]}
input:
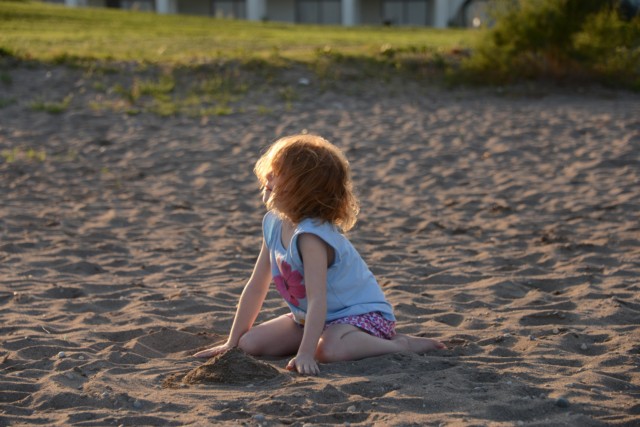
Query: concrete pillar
{"points": [[350, 12], [165, 7], [256, 10], [71, 3], [441, 13]]}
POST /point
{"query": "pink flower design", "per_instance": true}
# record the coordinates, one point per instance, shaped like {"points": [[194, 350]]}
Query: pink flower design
{"points": [[289, 284]]}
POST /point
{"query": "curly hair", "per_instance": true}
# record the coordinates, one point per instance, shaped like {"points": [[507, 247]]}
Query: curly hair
{"points": [[314, 180]]}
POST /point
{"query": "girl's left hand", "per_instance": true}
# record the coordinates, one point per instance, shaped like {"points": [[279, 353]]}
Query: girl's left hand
{"points": [[305, 365]]}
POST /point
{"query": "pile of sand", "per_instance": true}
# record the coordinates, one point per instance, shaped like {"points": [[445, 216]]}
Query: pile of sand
{"points": [[231, 367]]}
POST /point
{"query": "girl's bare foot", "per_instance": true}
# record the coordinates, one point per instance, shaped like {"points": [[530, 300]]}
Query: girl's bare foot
{"points": [[418, 344]]}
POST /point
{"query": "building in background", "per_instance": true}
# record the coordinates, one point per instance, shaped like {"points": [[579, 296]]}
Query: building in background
{"points": [[433, 13]]}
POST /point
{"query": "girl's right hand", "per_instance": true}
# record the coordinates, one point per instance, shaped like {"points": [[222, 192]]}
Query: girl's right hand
{"points": [[214, 351]]}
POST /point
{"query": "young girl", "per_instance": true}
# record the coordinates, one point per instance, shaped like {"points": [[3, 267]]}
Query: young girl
{"points": [[338, 311]]}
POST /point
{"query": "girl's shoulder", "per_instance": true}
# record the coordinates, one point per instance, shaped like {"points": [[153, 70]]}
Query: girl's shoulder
{"points": [[323, 229], [309, 225], [269, 217]]}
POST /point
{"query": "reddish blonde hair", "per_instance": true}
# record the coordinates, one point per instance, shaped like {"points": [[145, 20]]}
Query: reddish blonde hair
{"points": [[314, 180]]}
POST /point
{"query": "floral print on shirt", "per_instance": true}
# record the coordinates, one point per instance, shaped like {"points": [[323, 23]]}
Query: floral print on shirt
{"points": [[289, 283]]}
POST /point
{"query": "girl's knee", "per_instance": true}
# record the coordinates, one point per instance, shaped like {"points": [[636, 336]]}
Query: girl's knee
{"points": [[323, 352], [329, 350], [250, 344]]}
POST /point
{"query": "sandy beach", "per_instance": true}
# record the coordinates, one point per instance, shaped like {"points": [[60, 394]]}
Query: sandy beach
{"points": [[504, 224]]}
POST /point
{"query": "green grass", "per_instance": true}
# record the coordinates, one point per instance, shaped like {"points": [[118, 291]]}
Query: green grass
{"points": [[19, 153], [52, 107], [52, 33], [5, 102], [5, 78], [200, 66], [176, 64]]}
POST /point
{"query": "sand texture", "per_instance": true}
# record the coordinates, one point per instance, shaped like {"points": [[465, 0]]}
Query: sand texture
{"points": [[507, 226]]}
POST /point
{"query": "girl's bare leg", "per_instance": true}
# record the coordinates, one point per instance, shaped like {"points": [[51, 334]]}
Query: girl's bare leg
{"points": [[347, 342], [277, 337]]}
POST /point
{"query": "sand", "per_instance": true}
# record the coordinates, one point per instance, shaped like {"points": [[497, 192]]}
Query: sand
{"points": [[502, 223]]}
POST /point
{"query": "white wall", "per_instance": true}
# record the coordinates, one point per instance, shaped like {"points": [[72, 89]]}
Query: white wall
{"points": [[166, 6], [350, 12]]}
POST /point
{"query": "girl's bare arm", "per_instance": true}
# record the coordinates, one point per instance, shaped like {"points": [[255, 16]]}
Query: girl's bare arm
{"points": [[249, 305], [314, 255]]}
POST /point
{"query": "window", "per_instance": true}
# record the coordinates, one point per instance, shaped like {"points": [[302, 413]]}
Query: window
{"points": [[147, 5], [406, 12], [319, 12], [236, 9]]}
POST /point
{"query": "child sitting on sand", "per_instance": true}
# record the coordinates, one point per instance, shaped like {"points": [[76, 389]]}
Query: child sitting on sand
{"points": [[338, 311]]}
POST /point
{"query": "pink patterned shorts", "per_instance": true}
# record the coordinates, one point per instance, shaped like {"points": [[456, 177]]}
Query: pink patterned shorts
{"points": [[374, 323]]}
